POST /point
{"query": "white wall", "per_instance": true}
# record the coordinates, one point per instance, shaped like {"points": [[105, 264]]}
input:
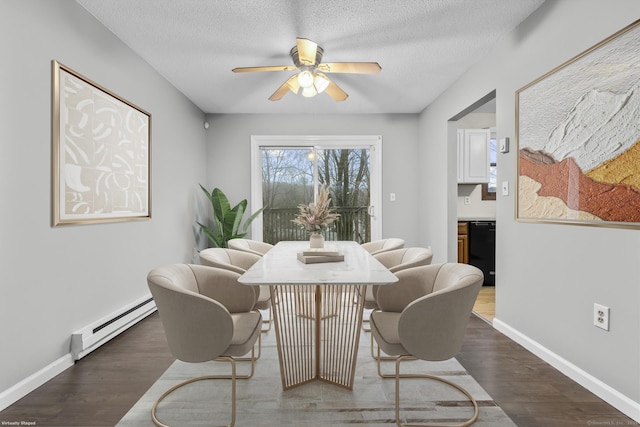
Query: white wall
{"points": [[57, 280], [548, 276], [230, 150]]}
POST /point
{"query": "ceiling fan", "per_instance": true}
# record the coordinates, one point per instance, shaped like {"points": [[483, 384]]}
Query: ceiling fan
{"points": [[311, 78]]}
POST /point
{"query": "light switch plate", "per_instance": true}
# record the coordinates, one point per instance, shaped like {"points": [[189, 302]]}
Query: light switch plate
{"points": [[504, 145], [505, 188]]}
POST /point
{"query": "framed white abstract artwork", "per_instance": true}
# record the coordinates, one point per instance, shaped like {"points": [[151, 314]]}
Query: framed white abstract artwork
{"points": [[101, 151]]}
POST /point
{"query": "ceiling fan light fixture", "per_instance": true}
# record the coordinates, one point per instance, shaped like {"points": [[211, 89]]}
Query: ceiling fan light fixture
{"points": [[305, 78], [307, 60], [309, 92], [320, 82]]}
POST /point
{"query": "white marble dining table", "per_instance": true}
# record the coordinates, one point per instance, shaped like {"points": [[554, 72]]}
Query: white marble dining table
{"points": [[317, 309]]}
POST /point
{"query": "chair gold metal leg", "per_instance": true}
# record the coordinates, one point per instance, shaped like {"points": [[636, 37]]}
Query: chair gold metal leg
{"points": [[251, 359], [157, 422], [268, 321], [373, 346], [470, 421], [366, 321], [259, 349], [379, 357]]}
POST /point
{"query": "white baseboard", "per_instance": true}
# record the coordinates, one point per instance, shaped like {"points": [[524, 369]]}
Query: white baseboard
{"points": [[32, 382], [83, 342], [613, 397], [94, 335]]}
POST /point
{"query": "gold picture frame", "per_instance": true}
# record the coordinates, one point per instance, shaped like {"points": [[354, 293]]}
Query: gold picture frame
{"points": [[578, 138], [101, 153]]}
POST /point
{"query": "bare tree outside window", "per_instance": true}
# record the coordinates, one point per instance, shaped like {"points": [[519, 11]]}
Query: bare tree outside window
{"points": [[288, 179]]}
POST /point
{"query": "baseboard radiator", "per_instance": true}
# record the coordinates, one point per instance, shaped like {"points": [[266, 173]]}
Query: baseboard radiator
{"points": [[94, 335]]}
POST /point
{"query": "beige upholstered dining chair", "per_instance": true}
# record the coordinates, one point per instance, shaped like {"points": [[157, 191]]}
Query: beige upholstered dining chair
{"points": [[255, 247], [395, 260], [239, 262], [221, 308], [382, 245], [424, 316], [229, 259]]}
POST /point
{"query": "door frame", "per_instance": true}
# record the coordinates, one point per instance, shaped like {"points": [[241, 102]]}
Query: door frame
{"points": [[372, 142]]}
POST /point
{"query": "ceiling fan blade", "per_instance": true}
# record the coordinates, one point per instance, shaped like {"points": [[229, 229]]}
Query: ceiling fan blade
{"points": [[307, 50], [290, 85], [266, 68], [350, 67], [335, 92]]}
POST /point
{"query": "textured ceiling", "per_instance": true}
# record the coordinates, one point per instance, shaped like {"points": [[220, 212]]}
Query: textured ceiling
{"points": [[423, 46]]}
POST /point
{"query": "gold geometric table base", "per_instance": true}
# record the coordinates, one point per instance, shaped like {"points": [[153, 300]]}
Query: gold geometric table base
{"points": [[318, 332]]}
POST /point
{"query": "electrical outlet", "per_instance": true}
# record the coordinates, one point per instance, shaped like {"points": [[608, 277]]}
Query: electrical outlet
{"points": [[467, 200], [601, 316]]}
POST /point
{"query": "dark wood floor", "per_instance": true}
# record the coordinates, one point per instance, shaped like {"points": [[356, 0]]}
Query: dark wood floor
{"points": [[101, 388]]}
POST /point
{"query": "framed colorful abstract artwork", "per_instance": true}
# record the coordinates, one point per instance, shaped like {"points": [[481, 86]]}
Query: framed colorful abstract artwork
{"points": [[578, 138], [100, 153]]}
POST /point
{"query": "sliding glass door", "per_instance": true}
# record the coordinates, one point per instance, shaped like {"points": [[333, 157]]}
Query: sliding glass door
{"points": [[288, 170]]}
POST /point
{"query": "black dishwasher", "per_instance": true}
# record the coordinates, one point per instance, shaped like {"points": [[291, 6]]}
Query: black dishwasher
{"points": [[482, 249]]}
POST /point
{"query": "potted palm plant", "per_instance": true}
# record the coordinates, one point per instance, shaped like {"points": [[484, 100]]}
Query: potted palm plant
{"points": [[227, 220]]}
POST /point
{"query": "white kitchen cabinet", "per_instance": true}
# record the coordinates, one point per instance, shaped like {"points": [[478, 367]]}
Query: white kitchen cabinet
{"points": [[474, 152]]}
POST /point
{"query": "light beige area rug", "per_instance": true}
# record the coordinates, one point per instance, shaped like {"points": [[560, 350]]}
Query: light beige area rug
{"points": [[262, 402]]}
